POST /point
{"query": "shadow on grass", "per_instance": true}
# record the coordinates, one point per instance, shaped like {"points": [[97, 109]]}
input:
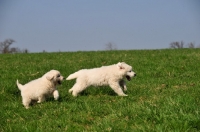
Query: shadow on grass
{"points": [[98, 91]]}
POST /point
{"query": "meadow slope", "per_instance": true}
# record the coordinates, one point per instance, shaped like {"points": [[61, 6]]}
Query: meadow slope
{"points": [[165, 95]]}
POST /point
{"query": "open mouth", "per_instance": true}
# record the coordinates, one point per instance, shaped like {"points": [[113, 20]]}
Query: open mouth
{"points": [[128, 78], [59, 82]]}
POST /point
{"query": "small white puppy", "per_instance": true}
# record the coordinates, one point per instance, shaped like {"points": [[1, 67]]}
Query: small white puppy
{"points": [[112, 75], [40, 88]]}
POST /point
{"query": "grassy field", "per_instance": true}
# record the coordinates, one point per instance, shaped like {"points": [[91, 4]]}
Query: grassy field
{"points": [[165, 95]]}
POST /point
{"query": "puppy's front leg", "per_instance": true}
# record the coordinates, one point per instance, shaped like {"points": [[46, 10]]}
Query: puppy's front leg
{"points": [[55, 94], [122, 83], [116, 87]]}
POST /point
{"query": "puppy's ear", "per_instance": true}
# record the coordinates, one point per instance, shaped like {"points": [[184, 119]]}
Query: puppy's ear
{"points": [[49, 77], [120, 65]]}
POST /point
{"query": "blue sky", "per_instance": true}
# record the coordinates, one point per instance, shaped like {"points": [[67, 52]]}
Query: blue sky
{"points": [[88, 25]]}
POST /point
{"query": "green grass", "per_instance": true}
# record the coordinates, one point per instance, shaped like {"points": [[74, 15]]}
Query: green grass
{"points": [[165, 95]]}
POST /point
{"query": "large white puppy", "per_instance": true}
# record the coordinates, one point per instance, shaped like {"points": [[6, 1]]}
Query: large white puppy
{"points": [[112, 75], [40, 88]]}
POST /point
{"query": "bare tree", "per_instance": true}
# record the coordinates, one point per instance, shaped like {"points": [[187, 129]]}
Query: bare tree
{"points": [[177, 45], [111, 46], [5, 46], [191, 45]]}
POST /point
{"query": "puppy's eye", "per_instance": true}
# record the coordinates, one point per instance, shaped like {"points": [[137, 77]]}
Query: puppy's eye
{"points": [[58, 75], [130, 71]]}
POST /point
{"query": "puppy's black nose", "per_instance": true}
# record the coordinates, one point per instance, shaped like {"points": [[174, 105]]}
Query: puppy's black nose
{"points": [[135, 74]]}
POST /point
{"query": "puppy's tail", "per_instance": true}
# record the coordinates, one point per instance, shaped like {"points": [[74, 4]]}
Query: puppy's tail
{"points": [[19, 85], [73, 76]]}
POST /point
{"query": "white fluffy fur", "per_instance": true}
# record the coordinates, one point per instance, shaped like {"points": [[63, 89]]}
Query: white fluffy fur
{"points": [[40, 88], [112, 75]]}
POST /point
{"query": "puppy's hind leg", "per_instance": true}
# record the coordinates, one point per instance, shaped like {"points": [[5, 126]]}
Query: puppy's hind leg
{"points": [[41, 99], [116, 87], [70, 90], [26, 102], [77, 88]]}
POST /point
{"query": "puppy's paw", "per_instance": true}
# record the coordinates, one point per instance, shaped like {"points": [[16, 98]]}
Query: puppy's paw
{"points": [[125, 89], [41, 99], [56, 98], [27, 107], [56, 95], [74, 94], [123, 95], [70, 91]]}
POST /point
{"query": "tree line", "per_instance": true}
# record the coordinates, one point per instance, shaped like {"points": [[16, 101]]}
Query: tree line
{"points": [[179, 45], [5, 46], [173, 45]]}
